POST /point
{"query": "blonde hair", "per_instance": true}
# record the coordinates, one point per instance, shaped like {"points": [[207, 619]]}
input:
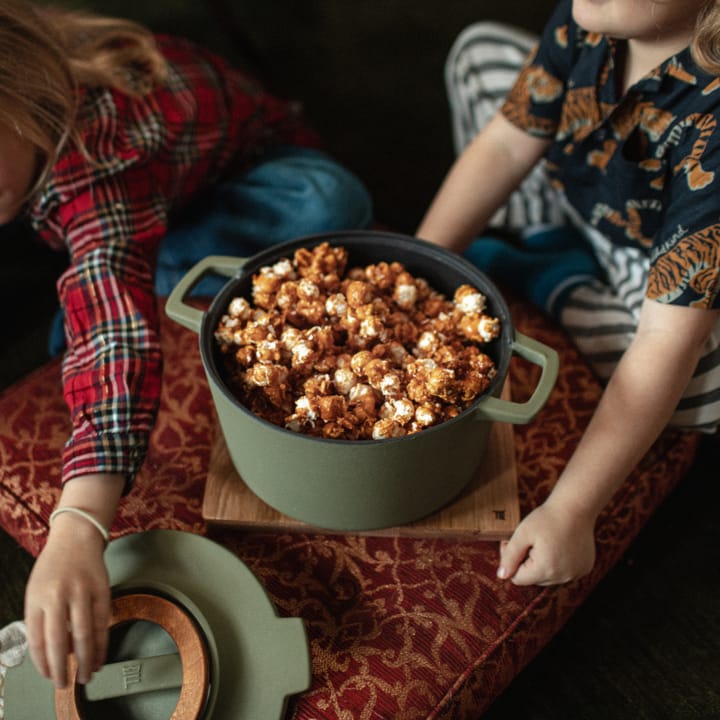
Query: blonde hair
{"points": [[705, 44], [47, 54]]}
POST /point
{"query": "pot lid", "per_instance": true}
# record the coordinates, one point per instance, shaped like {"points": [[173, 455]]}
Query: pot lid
{"points": [[255, 659]]}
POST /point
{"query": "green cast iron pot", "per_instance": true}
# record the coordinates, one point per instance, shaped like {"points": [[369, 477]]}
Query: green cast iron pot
{"points": [[362, 484]]}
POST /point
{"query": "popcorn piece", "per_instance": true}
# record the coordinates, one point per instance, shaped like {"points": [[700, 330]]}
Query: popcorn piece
{"points": [[265, 287], [440, 383], [284, 268], [375, 370], [401, 410], [359, 293], [307, 290], [471, 387], [390, 385], [322, 338], [225, 333], [444, 324], [359, 360], [403, 329], [356, 273], [405, 295], [290, 337], [309, 312], [318, 385], [397, 352], [268, 351], [322, 264], [256, 332], [239, 308], [386, 428], [332, 407], [423, 288], [245, 355], [364, 400], [263, 375], [279, 397], [336, 305], [428, 343], [383, 275], [303, 354], [435, 304], [425, 416], [469, 300], [372, 328], [307, 409], [340, 429], [479, 328], [344, 380], [287, 296]]}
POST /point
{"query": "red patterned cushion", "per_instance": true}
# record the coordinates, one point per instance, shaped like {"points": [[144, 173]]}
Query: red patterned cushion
{"points": [[398, 627]]}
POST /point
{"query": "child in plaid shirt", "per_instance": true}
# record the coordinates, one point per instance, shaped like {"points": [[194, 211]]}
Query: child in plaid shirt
{"points": [[137, 155]]}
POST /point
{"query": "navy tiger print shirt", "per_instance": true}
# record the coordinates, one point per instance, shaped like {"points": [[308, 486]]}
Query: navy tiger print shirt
{"points": [[641, 168]]}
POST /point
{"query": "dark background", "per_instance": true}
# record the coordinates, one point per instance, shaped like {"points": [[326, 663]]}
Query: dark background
{"points": [[370, 75]]}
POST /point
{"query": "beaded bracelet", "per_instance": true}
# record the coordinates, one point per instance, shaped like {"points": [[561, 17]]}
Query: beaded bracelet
{"points": [[86, 515]]}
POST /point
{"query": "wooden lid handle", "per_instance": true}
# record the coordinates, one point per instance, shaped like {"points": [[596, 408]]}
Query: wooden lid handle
{"points": [[188, 639]]}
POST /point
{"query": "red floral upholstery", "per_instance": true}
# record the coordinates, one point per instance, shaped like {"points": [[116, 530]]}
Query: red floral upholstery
{"points": [[398, 627]]}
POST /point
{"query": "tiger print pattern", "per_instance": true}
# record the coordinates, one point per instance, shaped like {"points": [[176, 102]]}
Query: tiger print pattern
{"points": [[692, 270], [639, 168], [666, 147]]}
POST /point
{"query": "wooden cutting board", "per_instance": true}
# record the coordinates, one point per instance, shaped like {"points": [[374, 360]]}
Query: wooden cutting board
{"points": [[487, 509]]}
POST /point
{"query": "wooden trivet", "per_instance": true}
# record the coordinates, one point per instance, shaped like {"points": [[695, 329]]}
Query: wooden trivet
{"points": [[488, 508]]}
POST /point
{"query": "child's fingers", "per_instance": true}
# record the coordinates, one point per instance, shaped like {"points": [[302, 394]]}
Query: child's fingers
{"points": [[512, 554], [528, 572], [34, 623], [57, 645], [101, 618], [527, 565], [83, 637]]}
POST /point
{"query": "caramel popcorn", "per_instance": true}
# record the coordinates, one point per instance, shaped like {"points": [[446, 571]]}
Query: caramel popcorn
{"points": [[354, 353]]}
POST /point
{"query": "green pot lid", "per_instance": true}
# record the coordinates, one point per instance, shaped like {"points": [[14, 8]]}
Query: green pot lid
{"points": [[257, 659]]}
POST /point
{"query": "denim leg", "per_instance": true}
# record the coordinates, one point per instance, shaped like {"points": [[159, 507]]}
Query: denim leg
{"points": [[293, 192]]}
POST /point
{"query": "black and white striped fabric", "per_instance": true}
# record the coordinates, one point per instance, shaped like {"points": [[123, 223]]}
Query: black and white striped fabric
{"points": [[601, 317], [481, 67]]}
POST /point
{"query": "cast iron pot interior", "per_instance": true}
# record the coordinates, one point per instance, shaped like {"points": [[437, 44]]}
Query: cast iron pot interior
{"points": [[443, 270]]}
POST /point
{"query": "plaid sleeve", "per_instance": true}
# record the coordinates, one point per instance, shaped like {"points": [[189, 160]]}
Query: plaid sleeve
{"points": [[111, 371], [109, 205], [535, 101]]}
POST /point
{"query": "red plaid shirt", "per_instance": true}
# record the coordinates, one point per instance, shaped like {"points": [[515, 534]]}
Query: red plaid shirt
{"points": [[110, 209]]}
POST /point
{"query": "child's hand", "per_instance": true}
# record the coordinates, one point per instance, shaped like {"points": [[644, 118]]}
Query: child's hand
{"points": [[67, 602], [550, 546]]}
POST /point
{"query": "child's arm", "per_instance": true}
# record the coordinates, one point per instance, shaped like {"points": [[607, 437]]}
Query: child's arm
{"points": [[555, 543], [69, 589], [480, 182]]}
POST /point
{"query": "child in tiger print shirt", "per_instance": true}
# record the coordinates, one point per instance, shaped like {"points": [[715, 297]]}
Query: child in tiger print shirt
{"points": [[603, 157]]}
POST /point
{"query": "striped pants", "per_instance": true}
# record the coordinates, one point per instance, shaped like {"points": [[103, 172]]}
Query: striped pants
{"points": [[601, 317]]}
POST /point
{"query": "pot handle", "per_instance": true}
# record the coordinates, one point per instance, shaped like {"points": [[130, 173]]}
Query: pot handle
{"points": [[494, 408], [176, 307]]}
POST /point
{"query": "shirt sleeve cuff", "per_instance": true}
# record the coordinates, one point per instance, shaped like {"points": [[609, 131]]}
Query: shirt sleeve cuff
{"points": [[110, 453]]}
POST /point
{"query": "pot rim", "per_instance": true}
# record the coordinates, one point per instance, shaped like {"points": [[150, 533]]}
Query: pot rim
{"points": [[500, 349]]}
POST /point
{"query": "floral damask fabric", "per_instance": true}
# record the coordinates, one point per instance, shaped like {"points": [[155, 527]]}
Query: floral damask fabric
{"points": [[399, 628]]}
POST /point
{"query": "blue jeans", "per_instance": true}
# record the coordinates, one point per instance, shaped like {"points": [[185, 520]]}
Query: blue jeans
{"points": [[292, 192]]}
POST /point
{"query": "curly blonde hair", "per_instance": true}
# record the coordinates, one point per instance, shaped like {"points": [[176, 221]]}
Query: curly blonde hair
{"points": [[46, 54], [705, 44]]}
